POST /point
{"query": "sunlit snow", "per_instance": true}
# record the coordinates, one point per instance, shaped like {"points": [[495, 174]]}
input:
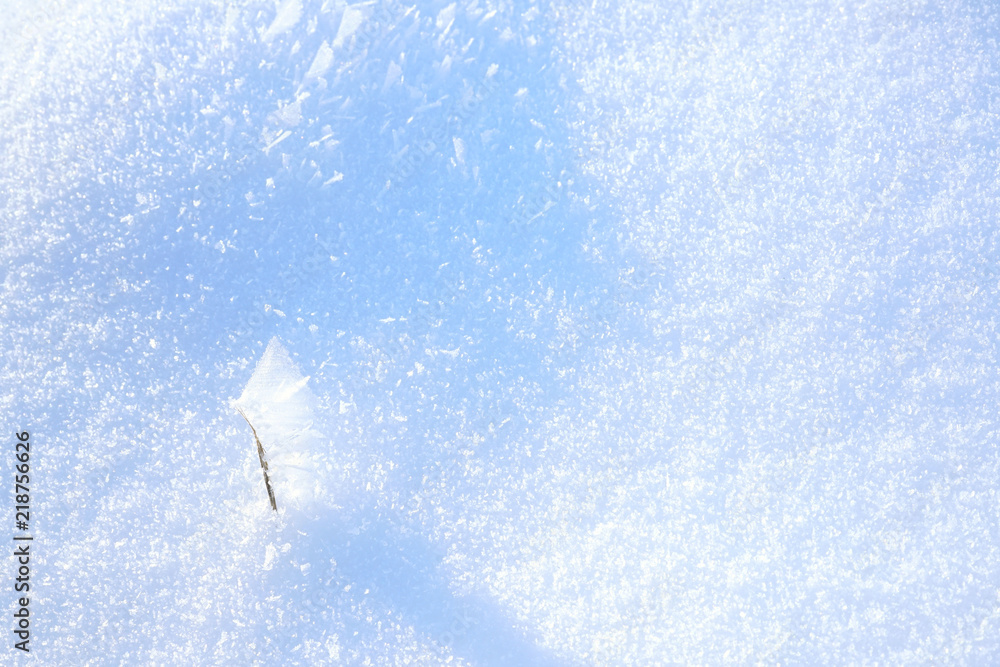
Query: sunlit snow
{"points": [[601, 333]]}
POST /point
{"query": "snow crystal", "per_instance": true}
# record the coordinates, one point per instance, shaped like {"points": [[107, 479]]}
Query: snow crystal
{"points": [[321, 63], [281, 408], [349, 24], [288, 15]]}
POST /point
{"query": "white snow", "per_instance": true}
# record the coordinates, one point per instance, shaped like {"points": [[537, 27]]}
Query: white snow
{"points": [[603, 333]]}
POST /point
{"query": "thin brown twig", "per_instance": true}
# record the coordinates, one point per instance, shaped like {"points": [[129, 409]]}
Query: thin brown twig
{"points": [[263, 459]]}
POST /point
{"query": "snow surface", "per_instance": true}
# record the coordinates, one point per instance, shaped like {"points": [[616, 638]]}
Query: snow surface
{"points": [[611, 333]]}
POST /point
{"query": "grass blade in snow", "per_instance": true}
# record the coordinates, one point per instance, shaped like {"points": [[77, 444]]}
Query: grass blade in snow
{"points": [[263, 460], [280, 408]]}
